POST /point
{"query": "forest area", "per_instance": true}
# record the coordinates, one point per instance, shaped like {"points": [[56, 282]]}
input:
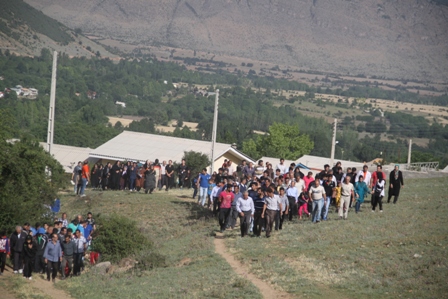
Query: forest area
{"points": [[246, 105]]}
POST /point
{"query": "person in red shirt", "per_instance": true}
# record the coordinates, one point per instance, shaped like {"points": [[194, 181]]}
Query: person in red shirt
{"points": [[225, 199], [85, 177]]}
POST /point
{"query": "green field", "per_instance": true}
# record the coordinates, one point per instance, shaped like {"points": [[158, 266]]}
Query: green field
{"points": [[401, 253]]}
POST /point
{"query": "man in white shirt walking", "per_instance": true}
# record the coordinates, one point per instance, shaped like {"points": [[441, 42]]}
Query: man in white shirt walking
{"points": [[246, 210], [272, 203]]}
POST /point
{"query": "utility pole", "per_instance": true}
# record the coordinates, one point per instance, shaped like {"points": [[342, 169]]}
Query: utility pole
{"points": [[215, 125], [333, 143], [50, 134], [409, 153]]}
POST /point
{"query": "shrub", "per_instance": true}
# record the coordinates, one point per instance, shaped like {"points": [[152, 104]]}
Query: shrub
{"points": [[118, 237]]}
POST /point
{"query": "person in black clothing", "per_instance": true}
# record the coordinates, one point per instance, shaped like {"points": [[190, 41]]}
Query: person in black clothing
{"points": [[169, 172], [182, 173], [336, 167], [396, 182], [17, 240], [41, 241], [105, 176], [324, 172], [29, 255], [338, 174], [258, 197], [114, 177]]}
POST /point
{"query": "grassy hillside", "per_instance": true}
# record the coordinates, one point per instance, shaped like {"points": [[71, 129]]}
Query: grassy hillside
{"points": [[18, 13]]}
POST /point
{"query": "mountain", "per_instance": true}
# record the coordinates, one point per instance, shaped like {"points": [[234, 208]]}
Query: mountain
{"points": [[405, 39], [26, 31]]}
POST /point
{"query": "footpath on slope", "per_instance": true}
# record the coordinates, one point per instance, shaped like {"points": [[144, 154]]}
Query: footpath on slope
{"points": [[38, 283], [265, 288]]}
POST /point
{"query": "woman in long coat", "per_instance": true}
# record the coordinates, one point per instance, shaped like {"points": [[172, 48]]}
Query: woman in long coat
{"points": [[150, 179], [140, 180], [396, 182]]}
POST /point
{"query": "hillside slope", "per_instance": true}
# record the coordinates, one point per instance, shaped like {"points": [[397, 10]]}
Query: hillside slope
{"points": [[402, 38], [26, 31]]}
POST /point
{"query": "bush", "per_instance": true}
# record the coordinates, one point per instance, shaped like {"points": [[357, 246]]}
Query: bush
{"points": [[118, 237]]}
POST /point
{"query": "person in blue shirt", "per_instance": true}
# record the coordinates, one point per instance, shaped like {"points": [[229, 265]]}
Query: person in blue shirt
{"points": [[87, 231], [361, 190], [203, 183], [53, 256]]}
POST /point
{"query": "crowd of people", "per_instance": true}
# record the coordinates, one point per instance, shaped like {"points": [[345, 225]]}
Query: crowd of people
{"points": [[48, 248], [263, 196], [131, 176]]}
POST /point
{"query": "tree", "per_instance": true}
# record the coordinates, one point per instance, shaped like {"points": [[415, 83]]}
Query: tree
{"points": [[196, 161], [287, 142], [29, 180], [282, 141]]}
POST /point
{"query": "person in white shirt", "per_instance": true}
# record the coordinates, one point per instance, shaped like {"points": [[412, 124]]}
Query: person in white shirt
{"points": [[347, 192], [293, 194], [365, 174], [214, 197], [284, 202], [246, 210], [272, 203], [282, 167], [81, 246], [317, 195]]}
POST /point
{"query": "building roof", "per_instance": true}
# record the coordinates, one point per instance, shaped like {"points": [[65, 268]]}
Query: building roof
{"points": [[68, 156], [134, 146], [315, 162]]}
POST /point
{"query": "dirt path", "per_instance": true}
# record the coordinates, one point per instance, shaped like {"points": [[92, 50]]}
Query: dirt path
{"points": [[37, 283], [265, 288]]}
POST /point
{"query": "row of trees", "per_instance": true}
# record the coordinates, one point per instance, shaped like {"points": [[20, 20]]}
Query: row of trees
{"points": [[81, 121]]}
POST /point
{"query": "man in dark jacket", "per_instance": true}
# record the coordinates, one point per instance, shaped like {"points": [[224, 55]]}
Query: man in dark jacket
{"points": [[41, 241], [17, 240]]}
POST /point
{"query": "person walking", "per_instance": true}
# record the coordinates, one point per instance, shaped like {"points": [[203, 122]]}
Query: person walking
{"points": [[202, 184], [293, 195], [4, 250], [150, 179], [283, 212], [361, 190], [76, 176], [245, 208], [169, 172], [29, 256], [378, 192], [272, 203], [53, 256], [328, 185], [81, 245], [17, 240], [317, 195], [347, 192], [182, 173], [258, 198], [225, 199], [396, 183], [69, 249], [85, 177], [231, 221]]}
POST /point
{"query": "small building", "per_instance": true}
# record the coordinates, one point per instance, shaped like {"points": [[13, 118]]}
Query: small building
{"points": [[68, 156], [122, 104], [139, 147], [91, 94]]}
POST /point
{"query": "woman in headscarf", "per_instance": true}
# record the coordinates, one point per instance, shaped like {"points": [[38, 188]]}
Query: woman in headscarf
{"points": [[361, 190], [396, 182], [150, 179]]}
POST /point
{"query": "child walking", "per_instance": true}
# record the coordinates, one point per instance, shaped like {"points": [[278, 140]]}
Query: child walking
{"points": [[303, 200]]}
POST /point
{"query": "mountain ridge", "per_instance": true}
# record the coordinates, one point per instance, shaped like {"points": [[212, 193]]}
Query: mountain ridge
{"points": [[402, 39]]}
